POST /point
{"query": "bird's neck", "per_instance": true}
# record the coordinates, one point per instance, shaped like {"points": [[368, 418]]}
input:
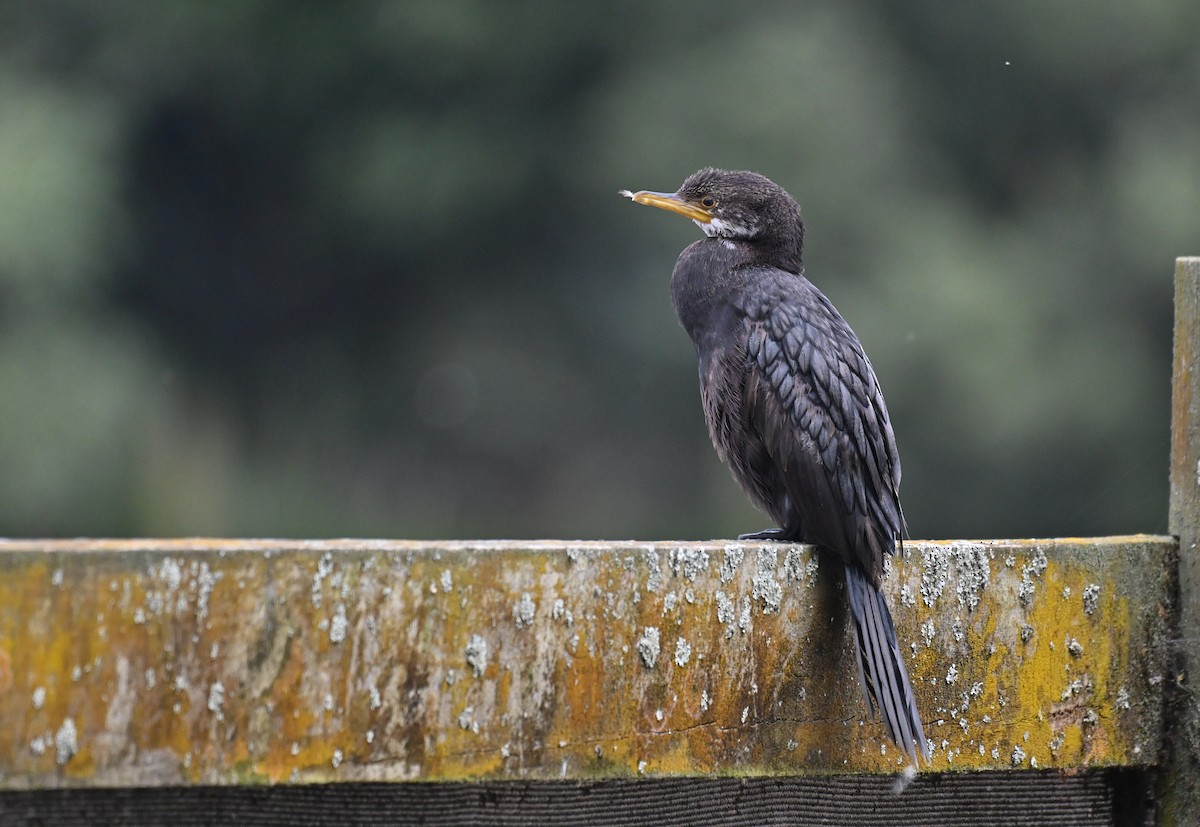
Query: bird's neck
{"points": [[785, 240], [706, 274]]}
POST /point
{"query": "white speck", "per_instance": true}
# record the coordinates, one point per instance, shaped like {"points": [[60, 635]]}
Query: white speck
{"points": [[952, 674], [505, 750], [745, 713], [57, 577], [744, 616], [370, 736], [337, 758], [730, 562], [725, 612], [1066, 592], [1091, 598], [1018, 755], [935, 571], [524, 610], [324, 567], [705, 700], [39, 697], [1122, 698], [688, 562], [464, 718], [337, 628], [477, 654], [150, 679], [328, 702], [683, 652], [1008, 63], [905, 778], [38, 745], [641, 767], [65, 742], [206, 579], [139, 616], [654, 569], [1035, 568], [907, 598], [648, 646], [170, 572], [658, 714], [216, 697], [447, 581], [295, 748], [213, 651], [376, 701], [766, 587]]}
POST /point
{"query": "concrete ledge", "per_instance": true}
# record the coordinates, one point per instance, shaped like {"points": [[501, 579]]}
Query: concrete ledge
{"points": [[167, 662]]}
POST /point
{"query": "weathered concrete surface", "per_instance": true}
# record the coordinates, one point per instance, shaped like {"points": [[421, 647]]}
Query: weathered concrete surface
{"points": [[1179, 793], [163, 662]]}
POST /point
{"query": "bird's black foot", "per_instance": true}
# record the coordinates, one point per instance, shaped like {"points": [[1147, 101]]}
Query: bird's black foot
{"points": [[768, 534]]}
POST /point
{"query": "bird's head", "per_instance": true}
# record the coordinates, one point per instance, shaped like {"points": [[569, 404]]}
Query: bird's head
{"points": [[737, 205]]}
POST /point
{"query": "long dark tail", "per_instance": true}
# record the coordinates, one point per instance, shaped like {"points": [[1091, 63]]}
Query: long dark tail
{"points": [[881, 667]]}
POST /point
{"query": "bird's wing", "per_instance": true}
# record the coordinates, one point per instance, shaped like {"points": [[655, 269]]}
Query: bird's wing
{"points": [[812, 399]]}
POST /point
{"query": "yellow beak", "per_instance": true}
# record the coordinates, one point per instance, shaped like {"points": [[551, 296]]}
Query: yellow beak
{"points": [[670, 201]]}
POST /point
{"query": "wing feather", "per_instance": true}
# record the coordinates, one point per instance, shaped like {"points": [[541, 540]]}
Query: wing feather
{"points": [[795, 406]]}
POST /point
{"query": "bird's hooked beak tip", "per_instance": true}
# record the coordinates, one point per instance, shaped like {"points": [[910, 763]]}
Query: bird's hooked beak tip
{"points": [[669, 201]]}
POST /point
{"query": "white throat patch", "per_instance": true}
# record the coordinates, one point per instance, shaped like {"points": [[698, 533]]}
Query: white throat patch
{"points": [[720, 228]]}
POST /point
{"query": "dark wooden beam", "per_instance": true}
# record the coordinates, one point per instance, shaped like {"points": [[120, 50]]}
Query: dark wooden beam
{"points": [[1096, 798]]}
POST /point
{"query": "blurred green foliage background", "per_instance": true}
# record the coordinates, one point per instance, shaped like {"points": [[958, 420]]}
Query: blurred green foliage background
{"points": [[315, 269]]}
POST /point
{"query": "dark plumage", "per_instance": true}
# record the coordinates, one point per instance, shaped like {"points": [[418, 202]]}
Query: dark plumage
{"points": [[793, 405]]}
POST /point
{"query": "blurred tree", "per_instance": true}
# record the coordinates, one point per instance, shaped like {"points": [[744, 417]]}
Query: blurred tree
{"points": [[359, 269]]}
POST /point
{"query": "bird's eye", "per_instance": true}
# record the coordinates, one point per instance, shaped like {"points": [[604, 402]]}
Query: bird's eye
{"points": [[708, 202]]}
